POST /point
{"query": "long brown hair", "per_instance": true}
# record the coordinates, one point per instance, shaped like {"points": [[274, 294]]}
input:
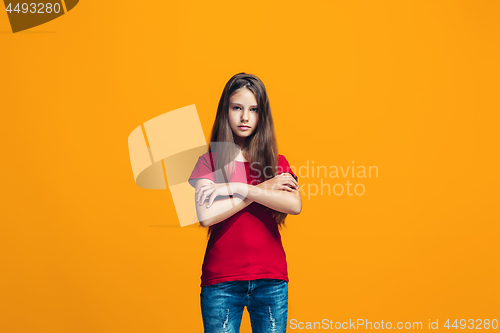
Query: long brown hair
{"points": [[261, 147]]}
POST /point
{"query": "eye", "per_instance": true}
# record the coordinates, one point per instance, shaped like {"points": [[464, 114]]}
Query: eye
{"points": [[254, 109], [236, 107]]}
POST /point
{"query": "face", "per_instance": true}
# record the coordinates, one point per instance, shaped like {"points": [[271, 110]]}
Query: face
{"points": [[243, 114]]}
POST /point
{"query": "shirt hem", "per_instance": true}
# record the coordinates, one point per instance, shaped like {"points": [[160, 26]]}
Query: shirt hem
{"points": [[244, 278]]}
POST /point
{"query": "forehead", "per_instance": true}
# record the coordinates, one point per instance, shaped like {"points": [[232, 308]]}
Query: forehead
{"points": [[242, 95]]}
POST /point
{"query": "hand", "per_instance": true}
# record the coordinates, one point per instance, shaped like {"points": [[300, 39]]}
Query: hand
{"points": [[211, 191], [282, 182]]}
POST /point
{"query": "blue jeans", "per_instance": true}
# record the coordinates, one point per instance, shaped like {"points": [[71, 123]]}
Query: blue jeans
{"points": [[266, 300]]}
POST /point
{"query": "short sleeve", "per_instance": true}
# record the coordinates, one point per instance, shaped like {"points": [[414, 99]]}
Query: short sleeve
{"points": [[284, 167], [202, 169]]}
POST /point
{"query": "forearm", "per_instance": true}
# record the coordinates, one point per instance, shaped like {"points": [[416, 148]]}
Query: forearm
{"points": [[220, 209], [281, 201]]}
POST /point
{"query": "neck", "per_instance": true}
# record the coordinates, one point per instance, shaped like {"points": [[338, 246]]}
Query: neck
{"points": [[242, 144]]}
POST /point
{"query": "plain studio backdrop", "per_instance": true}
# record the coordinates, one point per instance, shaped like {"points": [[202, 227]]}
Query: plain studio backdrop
{"points": [[408, 87]]}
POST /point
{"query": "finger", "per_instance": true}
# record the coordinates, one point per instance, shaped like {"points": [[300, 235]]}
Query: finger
{"points": [[206, 194], [210, 200], [202, 190], [202, 199], [293, 181], [288, 182], [198, 189], [285, 187], [199, 194], [277, 186], [284, 176], [203, 186], [293, 185]]}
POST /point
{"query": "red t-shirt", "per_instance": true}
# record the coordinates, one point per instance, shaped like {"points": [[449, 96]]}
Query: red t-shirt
{"points": [[247, 245]]}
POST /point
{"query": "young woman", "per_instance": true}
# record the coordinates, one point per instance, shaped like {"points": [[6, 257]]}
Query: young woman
{"points": [[244, 191]]}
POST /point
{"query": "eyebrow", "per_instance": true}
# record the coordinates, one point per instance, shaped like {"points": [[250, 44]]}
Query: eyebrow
{"points": [[242, 104]]}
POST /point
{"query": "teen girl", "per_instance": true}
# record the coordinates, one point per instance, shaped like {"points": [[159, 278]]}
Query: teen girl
{"points": [[244, 191]]}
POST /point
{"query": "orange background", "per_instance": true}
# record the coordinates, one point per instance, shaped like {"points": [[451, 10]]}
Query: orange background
{"points": [[411, 88]]}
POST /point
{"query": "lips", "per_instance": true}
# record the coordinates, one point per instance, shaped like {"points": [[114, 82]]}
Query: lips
{"points": [[243, 126]]}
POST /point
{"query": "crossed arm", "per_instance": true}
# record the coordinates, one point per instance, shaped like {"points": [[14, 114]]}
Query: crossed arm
{"points": [[224, 206]]}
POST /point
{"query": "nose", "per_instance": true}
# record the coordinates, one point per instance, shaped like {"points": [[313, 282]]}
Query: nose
{"points": [[244, 115]]}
